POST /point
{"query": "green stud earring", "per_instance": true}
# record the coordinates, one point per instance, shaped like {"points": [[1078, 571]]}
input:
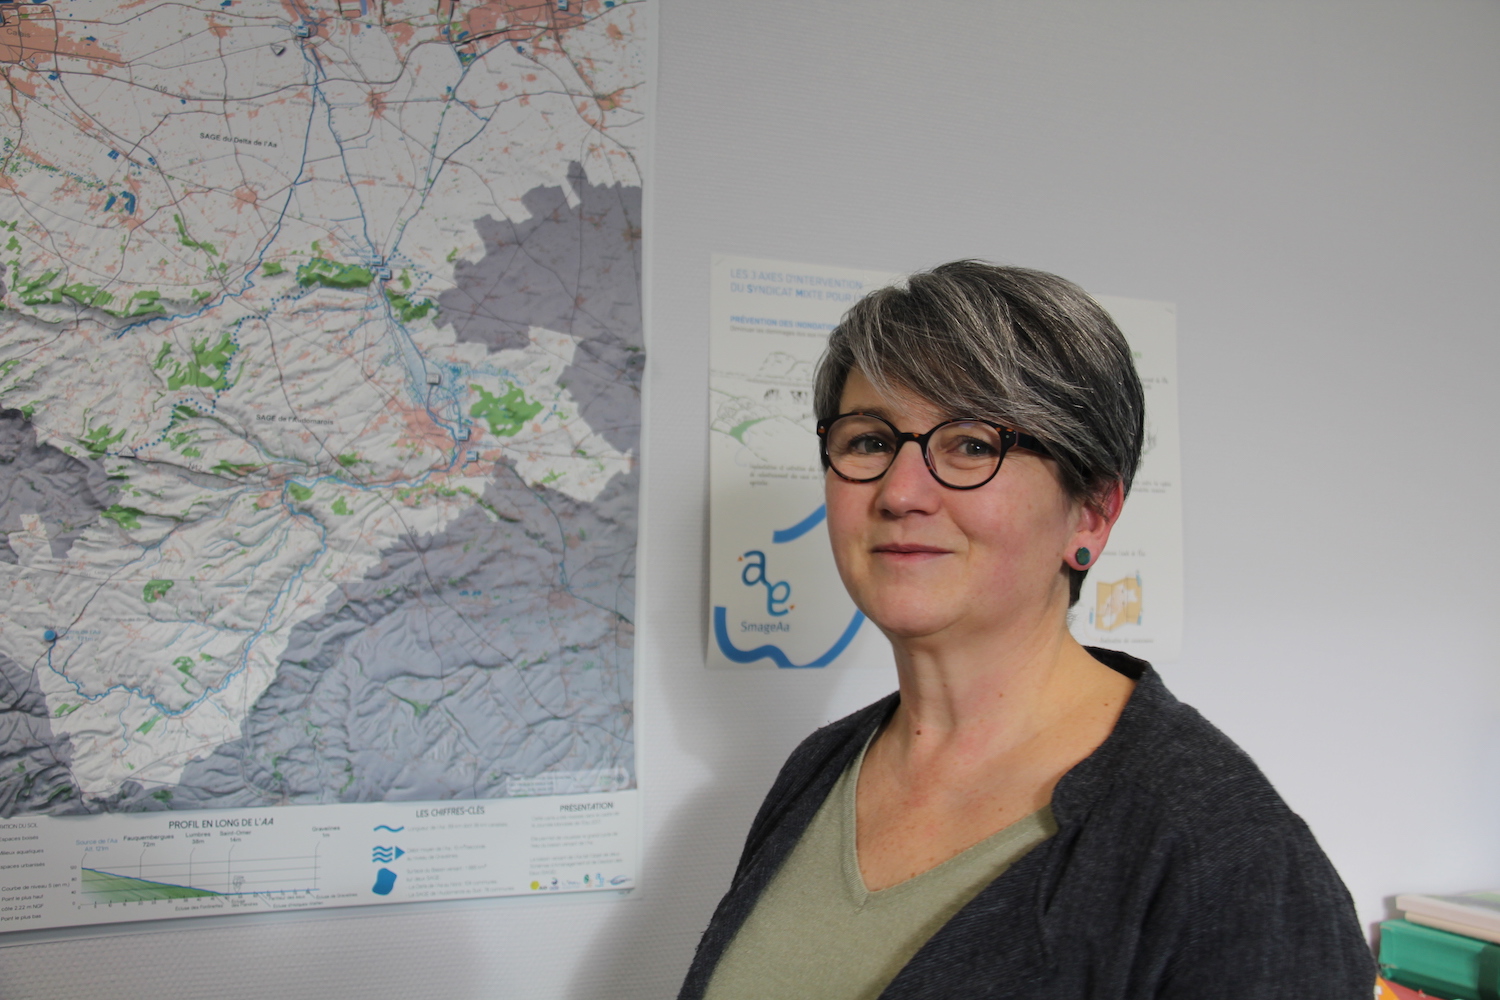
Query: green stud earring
{"points": [[1083, 556]]}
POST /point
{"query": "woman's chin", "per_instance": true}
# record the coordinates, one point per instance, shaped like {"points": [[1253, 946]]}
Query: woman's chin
{"points": [[911, 623]]}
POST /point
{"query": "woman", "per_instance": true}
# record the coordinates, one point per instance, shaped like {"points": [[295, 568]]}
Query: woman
{"points": [[1025, 817]]}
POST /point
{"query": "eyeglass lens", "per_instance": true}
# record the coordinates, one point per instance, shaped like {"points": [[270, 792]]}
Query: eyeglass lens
{"points": [[960, 453]]}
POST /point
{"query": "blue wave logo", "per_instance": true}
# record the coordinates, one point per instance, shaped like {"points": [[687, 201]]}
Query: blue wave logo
{"points": [[770, 651], [801, 528], [385, 855], [392, 829]]}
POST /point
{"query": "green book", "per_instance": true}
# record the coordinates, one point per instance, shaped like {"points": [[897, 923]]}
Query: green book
{"points": [[1438, 962]]}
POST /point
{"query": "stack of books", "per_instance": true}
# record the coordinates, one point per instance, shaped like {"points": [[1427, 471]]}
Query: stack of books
{"points": [[1448, 946]]}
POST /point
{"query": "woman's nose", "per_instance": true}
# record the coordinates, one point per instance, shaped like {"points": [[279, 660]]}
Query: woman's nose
{"points": [[907, 485]]}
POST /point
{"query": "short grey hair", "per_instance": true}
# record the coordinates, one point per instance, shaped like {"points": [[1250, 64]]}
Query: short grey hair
{"points": [[1019, 347]]}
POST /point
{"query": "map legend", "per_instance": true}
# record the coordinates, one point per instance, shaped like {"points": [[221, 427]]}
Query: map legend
{"points": [[157, 866]]}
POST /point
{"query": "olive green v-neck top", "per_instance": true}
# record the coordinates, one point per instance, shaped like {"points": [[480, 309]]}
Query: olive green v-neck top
{"points": [[817, 932]]}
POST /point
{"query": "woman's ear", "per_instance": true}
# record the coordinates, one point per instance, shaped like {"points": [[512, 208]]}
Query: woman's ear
{"points": [[1096, 517]]}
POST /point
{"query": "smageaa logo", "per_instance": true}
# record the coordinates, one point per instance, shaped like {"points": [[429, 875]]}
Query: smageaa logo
{"points": [[756, 571]]}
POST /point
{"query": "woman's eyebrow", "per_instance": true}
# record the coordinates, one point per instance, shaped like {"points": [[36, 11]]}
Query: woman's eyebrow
{"points": [[877, 410]]}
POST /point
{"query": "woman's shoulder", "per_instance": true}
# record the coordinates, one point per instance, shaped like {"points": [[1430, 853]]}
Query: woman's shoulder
{"points": [[1165, 761], [1171, 824], [1169, 809]]}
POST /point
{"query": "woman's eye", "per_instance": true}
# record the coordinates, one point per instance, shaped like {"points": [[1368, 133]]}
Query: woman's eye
{"points": [[869, 444], [974, 448]]}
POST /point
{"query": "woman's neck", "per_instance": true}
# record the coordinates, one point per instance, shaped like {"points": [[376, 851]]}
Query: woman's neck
{"points": [[983, 734], [987, 696]]}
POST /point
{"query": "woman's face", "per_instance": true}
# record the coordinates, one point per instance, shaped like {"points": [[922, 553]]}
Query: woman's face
{"points": [[922, 560]]}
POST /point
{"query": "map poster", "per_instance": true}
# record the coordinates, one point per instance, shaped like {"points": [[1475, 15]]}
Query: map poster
{"points": [[775, 598], [320, 362], [1132, 597]]}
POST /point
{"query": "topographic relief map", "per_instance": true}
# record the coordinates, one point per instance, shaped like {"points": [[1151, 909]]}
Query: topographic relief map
{"points": [[320, 360]]}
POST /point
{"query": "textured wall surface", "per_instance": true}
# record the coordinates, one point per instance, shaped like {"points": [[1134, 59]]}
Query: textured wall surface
{"points": [[1313, 183]]}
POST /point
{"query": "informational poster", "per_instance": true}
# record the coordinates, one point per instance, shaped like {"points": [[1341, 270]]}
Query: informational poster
{"points": [[320, 359], [775, 598], [1132, 597]]}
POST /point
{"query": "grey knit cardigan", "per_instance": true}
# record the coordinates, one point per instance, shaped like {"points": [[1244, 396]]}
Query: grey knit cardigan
{"points": [[1177, 873]]}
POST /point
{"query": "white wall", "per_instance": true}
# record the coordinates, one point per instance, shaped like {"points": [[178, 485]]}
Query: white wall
{"points": [[1316, 184]]}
